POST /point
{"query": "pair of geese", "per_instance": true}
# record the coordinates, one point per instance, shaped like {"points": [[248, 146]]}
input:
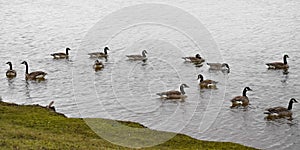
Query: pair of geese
{"points": [[36, 75], [273, 113]]}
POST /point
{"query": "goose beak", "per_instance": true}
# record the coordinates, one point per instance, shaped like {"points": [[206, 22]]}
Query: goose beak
{"points": [[296, 101]]}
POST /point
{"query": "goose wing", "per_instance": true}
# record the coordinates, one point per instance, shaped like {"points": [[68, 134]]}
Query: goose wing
{"points": [[167, 93], [96, 53], [238, 99], [37, 74], [276, 109], [53, 54]]}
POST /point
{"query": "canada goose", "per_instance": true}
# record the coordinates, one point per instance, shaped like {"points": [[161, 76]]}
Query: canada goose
{"points": [[98, 65], [61, 55], [279, 65], [138, 57], [196, 59], [50, 106], [10, 73], [208, 84], [218, 66], [241, 100], [33, 75], [174, 94], [100, 54], [281, 112]]}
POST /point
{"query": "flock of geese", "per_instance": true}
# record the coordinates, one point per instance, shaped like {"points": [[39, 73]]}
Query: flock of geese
{"points": [[238, 101]]}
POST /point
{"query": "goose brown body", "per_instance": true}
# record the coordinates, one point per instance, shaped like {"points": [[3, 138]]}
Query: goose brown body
{"points": [[33, 75], [208, 84], [98, 65], [138, 57], [279, 65], [281, 112], [10, 73], [241, 100], [196, 59], [61, 55], [173, 94], [103, 54]]}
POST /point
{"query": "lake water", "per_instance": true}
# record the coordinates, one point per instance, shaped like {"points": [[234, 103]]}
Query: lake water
{"points": [[248, 34]]}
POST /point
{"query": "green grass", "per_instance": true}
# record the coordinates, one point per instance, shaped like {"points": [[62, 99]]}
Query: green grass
{"points": [[36, 127]]}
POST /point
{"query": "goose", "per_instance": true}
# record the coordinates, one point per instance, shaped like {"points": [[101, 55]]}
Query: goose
{"points": [[196, 59], [138, 57], [98, 65], [61, 55], [208, 84], [50, 106], [174, 94], [10, 73], [100, 54], [281, 112], [33, 75], [218, 66], [279, 65], [241, 100]]}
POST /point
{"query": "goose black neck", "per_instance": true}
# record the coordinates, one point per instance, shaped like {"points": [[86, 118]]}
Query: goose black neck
{"points": [[244, 92], [67, 51], [182, 90], [285, 60], [144, 54], [105, 51], [201, 78], [290, 105], [26, 65], [10, 66]]}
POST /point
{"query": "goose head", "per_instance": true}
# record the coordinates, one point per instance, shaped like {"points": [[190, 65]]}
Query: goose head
{"points": [[144, 52], [67, 49], [106, 48], [184, 85], [290, 106], [247, 89], [286, 56], [198, 56], [293, 100], [10, 65], [24, 62], [200, 76], [225, 65]]}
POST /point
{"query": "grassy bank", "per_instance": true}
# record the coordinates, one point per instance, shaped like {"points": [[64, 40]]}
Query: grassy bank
{"points": [[36, 127]]}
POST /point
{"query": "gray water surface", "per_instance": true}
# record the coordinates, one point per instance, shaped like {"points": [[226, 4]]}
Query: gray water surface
{"points": [[248, 34]]}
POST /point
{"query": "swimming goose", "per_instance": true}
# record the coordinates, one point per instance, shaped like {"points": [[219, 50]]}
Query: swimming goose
{"points": [[10, 73], [100, 54], [33, 75], [196, 59], [279, 65], [98, 65], [281, 112], [218, 66], [208, 84], [138, 57], [61, 55], [241, 100], [174, 94]]}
